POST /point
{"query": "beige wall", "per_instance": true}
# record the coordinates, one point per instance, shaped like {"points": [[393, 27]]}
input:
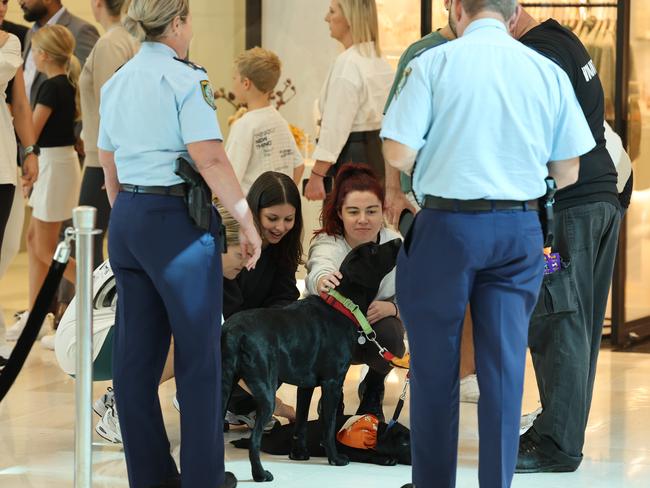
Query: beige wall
{"points": [[219, 35]]}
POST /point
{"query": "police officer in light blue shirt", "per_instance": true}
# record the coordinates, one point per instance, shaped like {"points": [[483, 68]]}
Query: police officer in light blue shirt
{"points": [[487, 120], [155, 109]]}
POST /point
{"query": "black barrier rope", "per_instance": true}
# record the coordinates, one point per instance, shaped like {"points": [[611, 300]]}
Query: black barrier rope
{"points": [[35, 320]]}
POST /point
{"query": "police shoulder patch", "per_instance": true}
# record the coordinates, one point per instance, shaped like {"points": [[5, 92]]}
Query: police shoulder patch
{"points": [[192, 65], [208, 94], [402, 81]]}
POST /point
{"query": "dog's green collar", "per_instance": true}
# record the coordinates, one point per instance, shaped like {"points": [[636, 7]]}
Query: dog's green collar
{"points": [[353, 308]]}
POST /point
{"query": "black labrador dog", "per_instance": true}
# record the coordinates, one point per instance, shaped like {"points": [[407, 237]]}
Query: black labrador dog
{"points": [[307, 344], [393, 445]]}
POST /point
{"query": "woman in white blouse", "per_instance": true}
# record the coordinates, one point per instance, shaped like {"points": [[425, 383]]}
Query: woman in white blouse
{"points": [[353, 96]]}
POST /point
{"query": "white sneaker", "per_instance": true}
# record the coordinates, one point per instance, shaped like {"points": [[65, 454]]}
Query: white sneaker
{"points": [[104, 402], [527, 420], [13, 332], [175, 403], [249, 420], [108, 426], [47, 342], [469, 392]]}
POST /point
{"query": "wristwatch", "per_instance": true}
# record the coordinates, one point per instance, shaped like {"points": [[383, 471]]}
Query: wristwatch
{"points": [[33, 149]]}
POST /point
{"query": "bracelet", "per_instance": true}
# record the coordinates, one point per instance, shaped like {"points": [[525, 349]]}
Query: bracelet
{"points": [[396, 311], [317, 174]]}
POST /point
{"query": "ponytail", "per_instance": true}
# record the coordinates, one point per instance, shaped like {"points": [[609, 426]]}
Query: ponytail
{"points": [[73, 70], [59, 43]]}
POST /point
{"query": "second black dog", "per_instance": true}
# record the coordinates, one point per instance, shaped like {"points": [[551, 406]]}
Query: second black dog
{"points": [[307, 344]]}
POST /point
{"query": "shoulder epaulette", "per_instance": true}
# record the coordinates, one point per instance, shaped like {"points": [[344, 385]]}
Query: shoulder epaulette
{"points": [[425, 44], [192, 65]]}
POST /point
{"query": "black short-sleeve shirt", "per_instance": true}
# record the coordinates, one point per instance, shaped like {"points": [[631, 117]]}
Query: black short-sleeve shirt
{"points": [[58, 94], [597, 178]]}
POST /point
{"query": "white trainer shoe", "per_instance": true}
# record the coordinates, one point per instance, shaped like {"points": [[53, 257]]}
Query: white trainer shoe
{"points": [[249, 420], [175, 403], [47, 342], [13, 333], [108, 426], [469, 392], [104, 402], [527, 420]]}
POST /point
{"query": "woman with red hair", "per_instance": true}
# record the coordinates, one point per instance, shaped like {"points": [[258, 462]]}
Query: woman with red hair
{"points": [[353, 215]]}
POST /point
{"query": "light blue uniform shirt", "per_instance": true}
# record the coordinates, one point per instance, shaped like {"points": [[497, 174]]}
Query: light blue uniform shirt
{"points": [[486, 114], [150, 110]]}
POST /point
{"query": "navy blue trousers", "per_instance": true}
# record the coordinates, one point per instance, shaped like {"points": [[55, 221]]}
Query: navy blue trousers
{"points": [[169, 283], [494, 261]]}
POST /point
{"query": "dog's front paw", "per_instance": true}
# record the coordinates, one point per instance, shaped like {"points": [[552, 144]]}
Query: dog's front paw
{"points": [[384, 461], [339, 460], [299, 454], [262, 476]]}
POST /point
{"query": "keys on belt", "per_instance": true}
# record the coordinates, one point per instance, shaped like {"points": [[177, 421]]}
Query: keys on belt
{"points": [[172, 191], [452, 205]]}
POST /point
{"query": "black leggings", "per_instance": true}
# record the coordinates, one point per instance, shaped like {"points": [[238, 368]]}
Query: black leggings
{"points": [[93, 194], [6, 202]]}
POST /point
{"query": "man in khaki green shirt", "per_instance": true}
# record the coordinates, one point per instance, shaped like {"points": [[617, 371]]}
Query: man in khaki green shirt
{"points": [[398, 185]]}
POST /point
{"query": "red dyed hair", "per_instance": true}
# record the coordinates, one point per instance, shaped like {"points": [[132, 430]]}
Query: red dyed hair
{"points": [[350, 177]]}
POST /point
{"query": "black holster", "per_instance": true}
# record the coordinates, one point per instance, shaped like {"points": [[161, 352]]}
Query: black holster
{"points": [[198, 195], [546, 211]]}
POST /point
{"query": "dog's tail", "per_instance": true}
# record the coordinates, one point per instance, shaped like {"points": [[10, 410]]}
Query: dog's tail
{"points": [[230, 342]]}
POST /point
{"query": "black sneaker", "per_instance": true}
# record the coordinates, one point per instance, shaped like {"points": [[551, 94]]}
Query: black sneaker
{"points": [[229, 481], [532, 459]]}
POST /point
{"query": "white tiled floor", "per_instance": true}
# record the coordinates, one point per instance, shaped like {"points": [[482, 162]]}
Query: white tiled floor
{"points": [[37, 438]]}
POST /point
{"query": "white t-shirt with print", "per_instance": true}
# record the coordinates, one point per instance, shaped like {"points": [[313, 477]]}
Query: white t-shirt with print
{"points": [[261, 141]]}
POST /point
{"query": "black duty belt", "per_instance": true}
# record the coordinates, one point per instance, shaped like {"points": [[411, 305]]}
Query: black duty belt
{"points": [[451, 205], [172, 191], [365, 136]]}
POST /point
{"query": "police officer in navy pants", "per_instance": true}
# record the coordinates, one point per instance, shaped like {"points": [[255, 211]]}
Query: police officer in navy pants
{"points": [[487, 120], [155, 109]]}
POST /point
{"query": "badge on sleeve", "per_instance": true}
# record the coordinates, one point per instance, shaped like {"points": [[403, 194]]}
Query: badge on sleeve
{"points": [[403, 80], [208, 94]]}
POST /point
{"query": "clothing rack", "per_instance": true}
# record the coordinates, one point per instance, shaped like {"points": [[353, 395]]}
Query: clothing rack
{"points": [[567, 5]]}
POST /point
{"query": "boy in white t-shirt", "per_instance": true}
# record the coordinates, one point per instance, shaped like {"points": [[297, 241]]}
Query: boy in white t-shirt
{"points": [[260, 140]]}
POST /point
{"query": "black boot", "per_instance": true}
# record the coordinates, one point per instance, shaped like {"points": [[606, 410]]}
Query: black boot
{"points": [[371, 392]]}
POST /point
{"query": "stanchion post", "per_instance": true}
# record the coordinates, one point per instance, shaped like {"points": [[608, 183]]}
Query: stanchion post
{"points": [[83, 219]]}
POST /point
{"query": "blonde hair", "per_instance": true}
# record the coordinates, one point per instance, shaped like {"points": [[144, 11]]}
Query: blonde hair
{"points": [[261, 66], [59, 44], [148, 20], [230, 224], [362, 18]]}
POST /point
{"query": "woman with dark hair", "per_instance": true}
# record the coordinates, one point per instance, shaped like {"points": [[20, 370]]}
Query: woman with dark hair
{"points": [[353, 215], [275, 203], [276, 206]]}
